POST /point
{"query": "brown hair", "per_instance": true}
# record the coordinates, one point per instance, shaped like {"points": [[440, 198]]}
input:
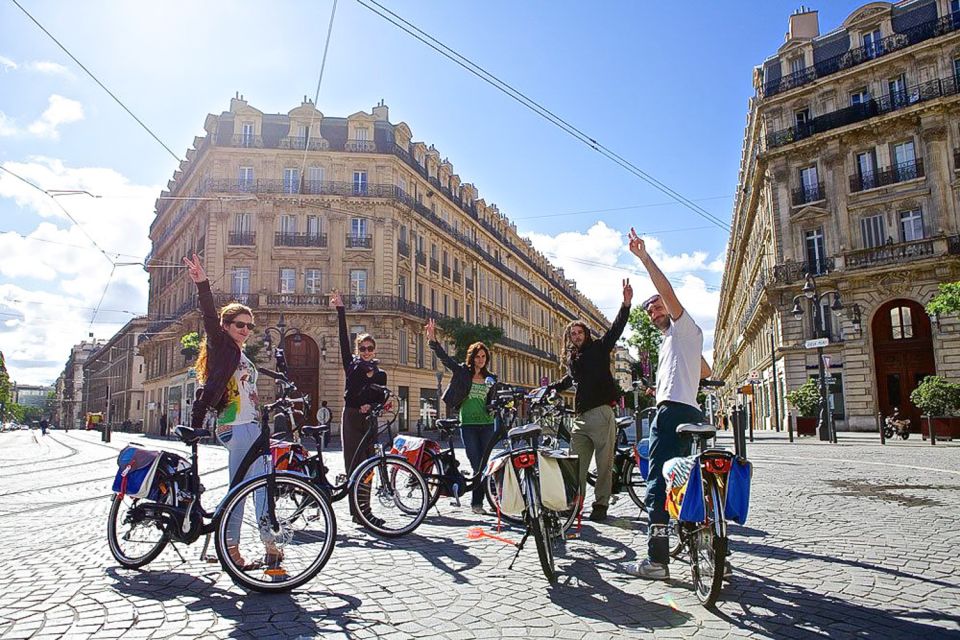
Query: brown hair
{"points": [[363, 337], [472, 351], [227, 314], [571, 350]]}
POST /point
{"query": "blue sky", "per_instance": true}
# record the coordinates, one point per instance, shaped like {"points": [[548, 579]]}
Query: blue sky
{"points": [[664, 84]]}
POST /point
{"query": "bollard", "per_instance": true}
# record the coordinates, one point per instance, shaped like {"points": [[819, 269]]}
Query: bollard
{"points": [[883, 439], [790, 425], [931, 429]]}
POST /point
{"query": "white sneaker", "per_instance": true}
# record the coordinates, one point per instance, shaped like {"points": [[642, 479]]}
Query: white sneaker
{"points": [[479, 510], [648, 570]]}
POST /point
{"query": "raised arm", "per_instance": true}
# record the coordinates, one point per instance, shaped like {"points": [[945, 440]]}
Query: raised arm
{"points": [[705, 370], [562, 384], [431, 330], [211, 320], [346, 355], [660, 282], [609, 339]]}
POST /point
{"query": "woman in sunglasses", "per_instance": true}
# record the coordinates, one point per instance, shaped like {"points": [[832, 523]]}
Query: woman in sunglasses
{"points": [[362, 370], [229, 382]]}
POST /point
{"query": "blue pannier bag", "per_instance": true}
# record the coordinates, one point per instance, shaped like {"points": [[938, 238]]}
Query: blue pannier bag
{"points": [[643, 457], [136, 472], [738, 491], [693, 509]]}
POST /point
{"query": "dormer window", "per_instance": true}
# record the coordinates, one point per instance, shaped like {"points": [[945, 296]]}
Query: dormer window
{"points": [[361, 134], [872, 43], [798, 65]]}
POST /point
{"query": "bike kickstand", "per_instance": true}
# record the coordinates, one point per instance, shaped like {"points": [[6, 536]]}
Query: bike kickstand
{"points": [[519, 546], [182, 559], [206, 545]]}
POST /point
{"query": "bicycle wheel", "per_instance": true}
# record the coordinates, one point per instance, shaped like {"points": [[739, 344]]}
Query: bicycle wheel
{"points": [[636, 486], [432, 471], [287, 557], [708, 552], [134, 537], [389, 496], [537, 522], [677, 538]]}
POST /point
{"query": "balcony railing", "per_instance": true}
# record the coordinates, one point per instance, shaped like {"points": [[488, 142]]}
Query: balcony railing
{"points": [[897, 41], [403, 248], [360, 146], [421, 258], [808, 193], [241, 238], [300, 143], [359, 242], [859, 112], [445, 271], [457, 276], [898, 173], [249, 142], [791, 271], [889, 253], [434, 265], [283, 239], [953, 245], [249, 299]]}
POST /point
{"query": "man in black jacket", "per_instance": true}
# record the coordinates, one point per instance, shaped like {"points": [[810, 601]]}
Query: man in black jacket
{"points": [[595, 428]]}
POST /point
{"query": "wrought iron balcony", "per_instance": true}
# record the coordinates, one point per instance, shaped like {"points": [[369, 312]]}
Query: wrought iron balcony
{"points": [[421, 258], [403, 248], [892, 252], [445, 271], [910, 96], [457, 276], [898, 173], [301, 143], [241, 238], [359, 242], [808, 193], [249, 142], [285, 239], [434, 265], [360, 146], [896, 42], [791, 271], [249, 299]]}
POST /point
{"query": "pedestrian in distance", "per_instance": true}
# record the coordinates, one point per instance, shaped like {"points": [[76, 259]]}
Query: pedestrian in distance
{"points": [[594, 432], [362, 376], [680, 368], [163, 425], [229, 382], [43, 426], [466, 396]]}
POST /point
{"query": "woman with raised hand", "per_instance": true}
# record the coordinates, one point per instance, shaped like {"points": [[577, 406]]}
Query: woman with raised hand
{"points": [[467, 394], [229, 382], [361, 369]]}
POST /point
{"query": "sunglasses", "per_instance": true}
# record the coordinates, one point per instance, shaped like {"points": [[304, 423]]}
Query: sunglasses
{"points": [[240, 325], [365, 349]]}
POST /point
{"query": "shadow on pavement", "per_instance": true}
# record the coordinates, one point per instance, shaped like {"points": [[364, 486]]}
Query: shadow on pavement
{"points": [[441, 552], [778, 609], [253, 613]]}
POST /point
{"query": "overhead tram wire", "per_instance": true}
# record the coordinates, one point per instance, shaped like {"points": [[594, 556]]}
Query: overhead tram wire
{"points": [[97, 80], [316, 95], [537, 108], [627, 208], [613, 267]]}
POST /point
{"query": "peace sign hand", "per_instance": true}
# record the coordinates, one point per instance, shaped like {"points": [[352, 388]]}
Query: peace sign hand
{"points": [[627, 292], [431, 330], [195, 268], [335, 299]]}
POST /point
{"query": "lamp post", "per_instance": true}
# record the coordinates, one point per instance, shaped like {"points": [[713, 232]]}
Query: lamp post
{"points": [[815, 297], [439, 381], [281, 331]]}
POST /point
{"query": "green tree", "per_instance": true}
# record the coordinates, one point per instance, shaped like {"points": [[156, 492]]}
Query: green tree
{"points": [[646, 339], [465, 333], [190, 344], [15, 412], [947, 301], [5, 398]]}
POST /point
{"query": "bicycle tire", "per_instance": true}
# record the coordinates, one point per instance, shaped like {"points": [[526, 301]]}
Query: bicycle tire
{"points": [[432, 472], [708, 553], [491, 489], [297, 502], [114, 539], [634, 482], [678, 539], [399, 512], [537, 522]]}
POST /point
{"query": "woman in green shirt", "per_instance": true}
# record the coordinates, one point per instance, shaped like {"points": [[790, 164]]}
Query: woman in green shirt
{"points": [[467, 394]]}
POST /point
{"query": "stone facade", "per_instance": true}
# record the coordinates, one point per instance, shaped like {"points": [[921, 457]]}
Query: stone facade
{"points": [[113, 377], [849, 173], [285, 207]]}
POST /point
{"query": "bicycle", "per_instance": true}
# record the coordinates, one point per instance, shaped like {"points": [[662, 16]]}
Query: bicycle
{"points": [[294, 521], [628, 467], [384, 482]]}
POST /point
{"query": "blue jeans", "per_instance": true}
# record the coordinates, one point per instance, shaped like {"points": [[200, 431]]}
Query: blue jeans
{"points": [[238, 440], [664, 445], [476, 438]]}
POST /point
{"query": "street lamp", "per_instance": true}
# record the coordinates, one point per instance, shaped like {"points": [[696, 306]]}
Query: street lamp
{"points": [[816, 297], [281, 330], [439, 381]]}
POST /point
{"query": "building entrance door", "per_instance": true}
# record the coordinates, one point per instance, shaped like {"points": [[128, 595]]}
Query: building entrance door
{"points": [[303, 366], [903, 356]]}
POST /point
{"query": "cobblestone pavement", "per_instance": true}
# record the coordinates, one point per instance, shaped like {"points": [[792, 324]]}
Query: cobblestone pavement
{"points": [[848, 540]]}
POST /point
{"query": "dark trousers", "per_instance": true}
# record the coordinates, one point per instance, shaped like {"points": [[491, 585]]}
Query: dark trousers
{"points": [[476, 439], [664, 445], [353, 427]]}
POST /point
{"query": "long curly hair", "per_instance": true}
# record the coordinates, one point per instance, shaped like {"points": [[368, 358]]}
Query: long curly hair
{"points": [[227, 314], [472, 352], [570, 350]]}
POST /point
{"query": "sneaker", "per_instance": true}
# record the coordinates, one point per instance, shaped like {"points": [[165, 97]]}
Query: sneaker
{"points": [[598, 513], [648, 570], [479, 510]]}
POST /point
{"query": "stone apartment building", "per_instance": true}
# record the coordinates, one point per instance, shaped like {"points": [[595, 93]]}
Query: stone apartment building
{"points": [[113, 377], [285, 207], [849, 173], [69, 412]]}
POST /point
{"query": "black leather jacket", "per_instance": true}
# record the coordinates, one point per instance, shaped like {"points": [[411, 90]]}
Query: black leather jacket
{"points": [[460, 382], [223, 357], [360, 374]]}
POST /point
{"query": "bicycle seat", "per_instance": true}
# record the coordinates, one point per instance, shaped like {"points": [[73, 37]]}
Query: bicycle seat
{"points": [[189, 435], [315, 431], [448, 424], [525, 431], [701, 429], [624, 422]]}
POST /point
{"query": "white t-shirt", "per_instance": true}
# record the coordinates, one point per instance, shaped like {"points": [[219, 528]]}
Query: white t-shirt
{"points": [[678, 371]]}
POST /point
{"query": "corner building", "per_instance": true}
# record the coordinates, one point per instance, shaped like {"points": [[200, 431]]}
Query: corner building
{"points": [[849, 172], [285, 207]]}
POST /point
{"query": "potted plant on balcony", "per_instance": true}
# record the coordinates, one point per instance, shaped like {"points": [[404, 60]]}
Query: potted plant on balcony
{"points": [[939, 400], [190, 345], [806, 400]]}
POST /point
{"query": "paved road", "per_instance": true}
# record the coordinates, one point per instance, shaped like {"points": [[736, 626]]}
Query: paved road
{"points": [[849, 540]]}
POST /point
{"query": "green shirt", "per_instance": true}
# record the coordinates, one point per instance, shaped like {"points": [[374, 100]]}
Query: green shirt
{"points": [[474, 408]]}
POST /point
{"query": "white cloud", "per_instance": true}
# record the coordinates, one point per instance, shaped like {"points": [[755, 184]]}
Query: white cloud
{"points": [[7, 125], [49, 68], [59, 112], [7, 64], [51, 279]]}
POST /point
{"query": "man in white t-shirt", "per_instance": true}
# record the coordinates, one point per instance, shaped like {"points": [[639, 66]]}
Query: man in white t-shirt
{"points": [[679, 370]]}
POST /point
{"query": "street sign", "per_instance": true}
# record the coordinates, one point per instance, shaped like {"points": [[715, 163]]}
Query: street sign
{"points": [[817, 343]]}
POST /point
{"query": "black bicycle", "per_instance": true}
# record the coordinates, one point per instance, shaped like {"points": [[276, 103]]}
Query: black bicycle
{"points": [[627, 473], [281, 518]]}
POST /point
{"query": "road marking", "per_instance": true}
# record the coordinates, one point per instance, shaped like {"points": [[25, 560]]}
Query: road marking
{"points": [[871, 463]]}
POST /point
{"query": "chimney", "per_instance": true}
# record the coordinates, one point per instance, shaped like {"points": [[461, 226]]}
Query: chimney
{"points": [[804, 24], [237, 101], [381, 112]]}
